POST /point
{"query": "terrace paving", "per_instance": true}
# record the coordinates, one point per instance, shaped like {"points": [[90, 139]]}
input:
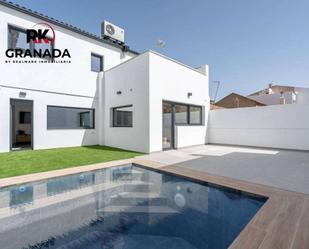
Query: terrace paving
{"points": [[283, 169]]}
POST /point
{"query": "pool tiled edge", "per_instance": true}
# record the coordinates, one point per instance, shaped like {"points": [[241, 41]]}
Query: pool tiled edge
{"points": [[5, 182]]}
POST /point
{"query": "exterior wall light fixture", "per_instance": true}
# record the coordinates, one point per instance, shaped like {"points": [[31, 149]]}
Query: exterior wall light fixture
{"points": [[22, 94]]}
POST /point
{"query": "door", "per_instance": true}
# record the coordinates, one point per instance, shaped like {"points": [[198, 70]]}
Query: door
{"points": [[21, 124], [167, 126]]}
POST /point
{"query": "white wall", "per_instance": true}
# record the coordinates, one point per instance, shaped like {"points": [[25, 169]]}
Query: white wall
{"points": [[132, 79], [4, 123], [171, 80], [273, 99], [145, 81], [42, 137], [280, 126], [189, 135], [302, 95]]}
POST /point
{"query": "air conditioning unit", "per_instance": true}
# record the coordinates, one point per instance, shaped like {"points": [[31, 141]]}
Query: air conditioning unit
{"points": [[112, 31]]}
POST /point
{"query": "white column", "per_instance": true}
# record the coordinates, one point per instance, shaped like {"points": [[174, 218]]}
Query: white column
{"points": [[5, 130], [101, 106]]}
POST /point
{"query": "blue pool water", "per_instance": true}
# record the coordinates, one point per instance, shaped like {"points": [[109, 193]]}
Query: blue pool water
{"points": [[126, 207]]}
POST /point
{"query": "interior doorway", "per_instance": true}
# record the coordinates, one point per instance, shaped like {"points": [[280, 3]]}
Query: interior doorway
{"points": [[21, 124]]}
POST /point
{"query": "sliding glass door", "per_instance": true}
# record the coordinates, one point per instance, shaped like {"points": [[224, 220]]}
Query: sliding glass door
{"points": [[179, 114], [168, 126]]}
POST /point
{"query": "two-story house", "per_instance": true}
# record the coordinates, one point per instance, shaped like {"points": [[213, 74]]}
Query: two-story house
{"points": [[102, 93]]}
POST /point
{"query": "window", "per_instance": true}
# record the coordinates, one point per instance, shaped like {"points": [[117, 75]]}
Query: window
{"points": [[25, 117], [181, 114], [96, 63], [43, 46], [195, 115], [69, 118], [18, 39], [185, 114], [85, 119], [122, 116]]}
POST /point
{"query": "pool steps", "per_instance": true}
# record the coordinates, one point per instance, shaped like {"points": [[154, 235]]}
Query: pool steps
{"points": [[139, 209], [138, 198]]}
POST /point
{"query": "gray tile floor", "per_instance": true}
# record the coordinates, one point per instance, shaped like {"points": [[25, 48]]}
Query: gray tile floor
{"points": [[278, 168]]}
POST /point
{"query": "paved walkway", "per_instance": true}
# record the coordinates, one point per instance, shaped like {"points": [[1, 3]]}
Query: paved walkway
{"points": [[278, 168]]}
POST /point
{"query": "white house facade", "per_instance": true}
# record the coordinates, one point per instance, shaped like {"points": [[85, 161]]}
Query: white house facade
{"points": [[278, 95], [104, 93]]}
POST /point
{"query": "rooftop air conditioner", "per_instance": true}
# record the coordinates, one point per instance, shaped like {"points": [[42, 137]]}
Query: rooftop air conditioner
{"points": [[112, 31]]}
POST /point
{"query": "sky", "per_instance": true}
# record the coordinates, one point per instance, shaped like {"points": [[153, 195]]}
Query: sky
{"points": [[246, 43]]}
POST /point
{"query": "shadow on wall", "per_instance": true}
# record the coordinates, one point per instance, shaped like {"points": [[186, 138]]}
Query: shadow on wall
{"points": [[91, 135]]}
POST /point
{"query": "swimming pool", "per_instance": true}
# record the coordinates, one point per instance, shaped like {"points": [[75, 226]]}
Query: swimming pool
{"points": [[128, 207]]}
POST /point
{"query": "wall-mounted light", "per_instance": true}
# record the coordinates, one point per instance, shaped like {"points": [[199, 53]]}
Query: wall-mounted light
{"points": [[119, 92], [22, 94], [189, 95]]}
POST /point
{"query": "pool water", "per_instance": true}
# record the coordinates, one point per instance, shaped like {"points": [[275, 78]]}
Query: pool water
{"points": [[125, 207]]}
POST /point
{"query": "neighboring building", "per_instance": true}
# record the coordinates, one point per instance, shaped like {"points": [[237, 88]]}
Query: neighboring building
{"points": [[215, 107], [107, 94], [277, 94], [235, 100]]}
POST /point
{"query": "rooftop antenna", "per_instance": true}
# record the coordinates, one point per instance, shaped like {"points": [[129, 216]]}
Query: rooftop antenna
{"points": [[217, 89], [269, 90], [271, 84], [160, 43]]}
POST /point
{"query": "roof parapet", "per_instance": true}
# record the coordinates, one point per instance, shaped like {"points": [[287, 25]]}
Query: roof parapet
{"points": [[203, 69]]}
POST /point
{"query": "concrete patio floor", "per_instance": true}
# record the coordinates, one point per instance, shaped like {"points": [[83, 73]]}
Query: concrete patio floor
{"points": [[284, 169]]}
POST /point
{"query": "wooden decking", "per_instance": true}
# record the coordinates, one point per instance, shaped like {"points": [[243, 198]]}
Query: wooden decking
{"points": [[282, 223]]}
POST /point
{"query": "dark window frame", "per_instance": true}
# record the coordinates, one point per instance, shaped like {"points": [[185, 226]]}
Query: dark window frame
{"points": [[188, 113], [16, 28], [80, 119], [114, 125], [201, 114], [31, 44], [70, 107], [52, 46], [101, 57]]}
